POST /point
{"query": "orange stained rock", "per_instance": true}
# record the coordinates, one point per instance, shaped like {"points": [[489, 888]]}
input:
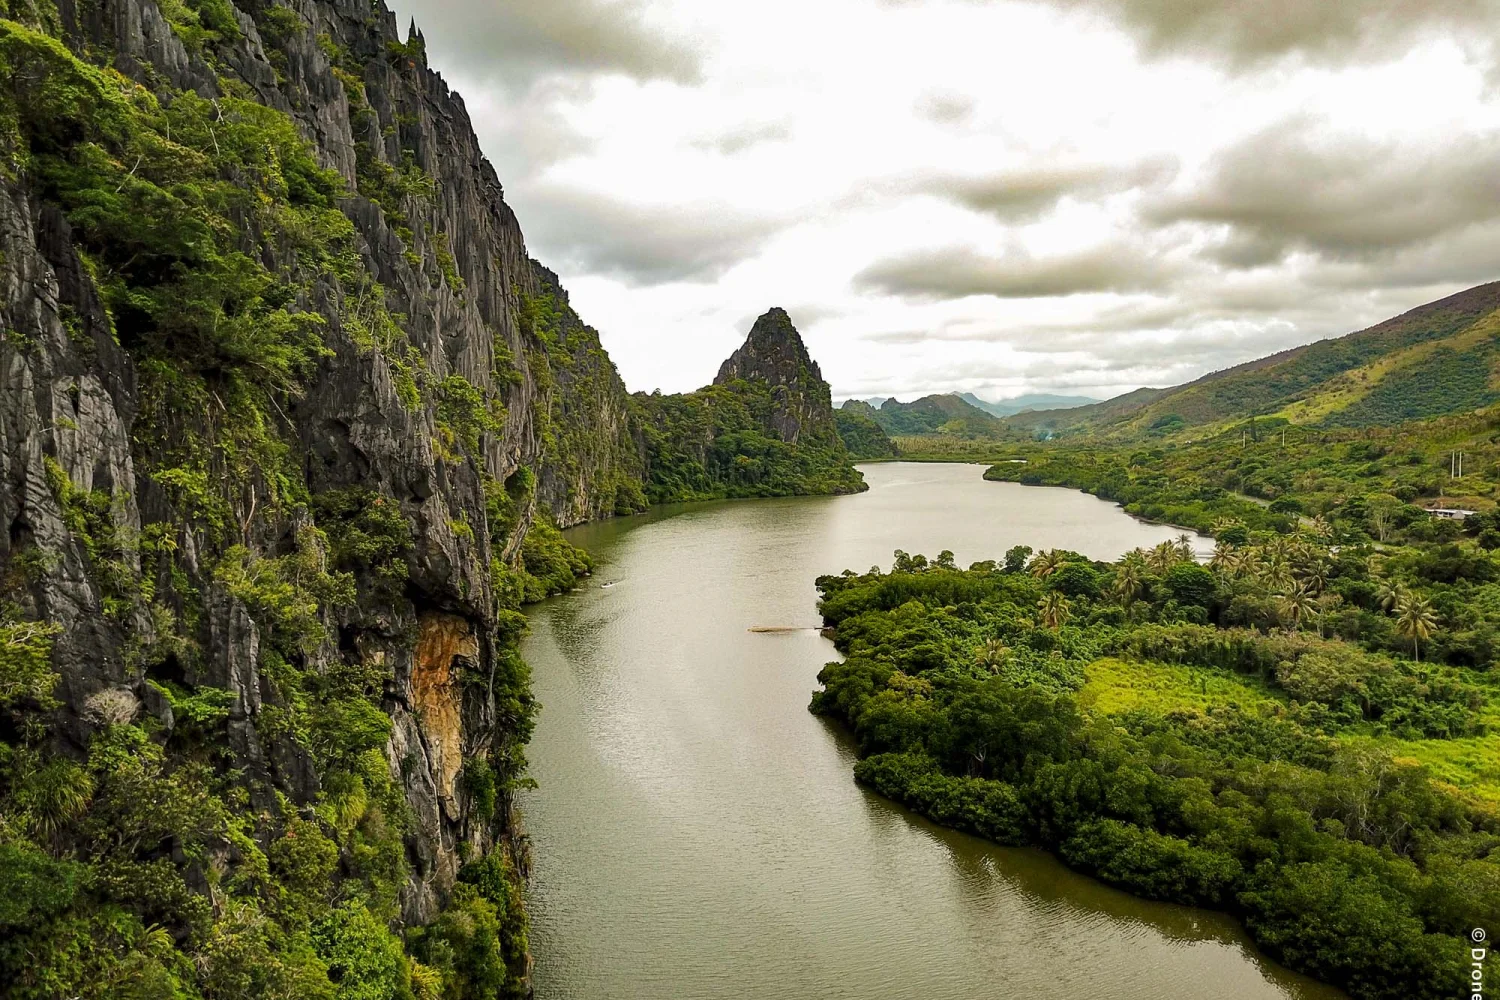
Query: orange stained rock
{"points": [[436, 695]]}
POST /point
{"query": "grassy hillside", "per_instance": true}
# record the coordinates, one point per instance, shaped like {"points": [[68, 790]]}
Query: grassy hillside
{"points": [[1435, 360]]}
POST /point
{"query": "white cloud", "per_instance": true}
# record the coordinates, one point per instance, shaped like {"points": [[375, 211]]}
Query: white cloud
{"points": [[1083, 195]]}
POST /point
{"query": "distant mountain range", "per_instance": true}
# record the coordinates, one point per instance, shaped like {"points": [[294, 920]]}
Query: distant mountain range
{"points": [[938, 414], [1022, 404], [1437, 359], [999, 408]]}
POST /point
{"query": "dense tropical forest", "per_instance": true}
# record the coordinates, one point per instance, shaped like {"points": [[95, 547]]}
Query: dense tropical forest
{"points": [[1300, 732], [863, 437]]}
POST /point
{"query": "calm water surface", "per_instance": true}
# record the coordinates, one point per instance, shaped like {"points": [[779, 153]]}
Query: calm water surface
{"points": [[698, 833]]}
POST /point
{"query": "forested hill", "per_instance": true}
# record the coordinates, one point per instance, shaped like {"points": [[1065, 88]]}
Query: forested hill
{"points": [[945, 414], [288, 423], [1438, 359]]}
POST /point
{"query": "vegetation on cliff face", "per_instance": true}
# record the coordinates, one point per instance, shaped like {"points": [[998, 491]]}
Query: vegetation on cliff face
{"points": [[262, 714], [291, 425], [1258, 735], [713, 443]]}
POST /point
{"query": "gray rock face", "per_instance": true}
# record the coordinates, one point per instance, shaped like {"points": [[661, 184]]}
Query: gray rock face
{"points": [[774, 353], [455, 272]]}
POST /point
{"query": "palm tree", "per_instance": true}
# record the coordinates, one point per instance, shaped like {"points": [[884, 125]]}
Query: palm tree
{"points": [[1163, 557], [1054, 609], [1222, 525], [1314, 575], [1186, 550], [1297, 605], [1274, 569], [1047, 563], [1415, 620], [1248, 564], [992, 655], [1224, 558], [1392, 595], [1130, 579]]}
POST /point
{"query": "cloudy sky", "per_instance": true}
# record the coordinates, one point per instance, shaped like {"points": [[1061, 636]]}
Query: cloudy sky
{"points": [[1000, 196]]}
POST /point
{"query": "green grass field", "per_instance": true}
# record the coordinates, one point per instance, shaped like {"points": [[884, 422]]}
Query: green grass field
{"points": [[1115, 687]]}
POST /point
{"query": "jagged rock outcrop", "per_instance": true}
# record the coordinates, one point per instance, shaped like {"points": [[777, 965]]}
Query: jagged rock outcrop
{"points": [[773, 353]]}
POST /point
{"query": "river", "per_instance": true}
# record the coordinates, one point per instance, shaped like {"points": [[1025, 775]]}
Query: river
{"points": [[697, 833]]}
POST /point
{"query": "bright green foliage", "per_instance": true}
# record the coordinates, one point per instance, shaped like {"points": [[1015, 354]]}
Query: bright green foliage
{"points": [[364, 958], [862, 435], [288, 592], [479, 944], [714, 443], [26, 674], [367, 533], [1251, 769], [464, 414], [201, 22], [552, 564]]}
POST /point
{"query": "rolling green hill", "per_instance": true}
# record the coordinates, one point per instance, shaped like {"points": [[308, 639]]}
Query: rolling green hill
{"points": [[946, 415], [1437, 359]]}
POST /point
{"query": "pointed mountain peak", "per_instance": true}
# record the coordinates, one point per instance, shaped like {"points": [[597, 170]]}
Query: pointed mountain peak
{"points": [[773, 352], [774, 356]]}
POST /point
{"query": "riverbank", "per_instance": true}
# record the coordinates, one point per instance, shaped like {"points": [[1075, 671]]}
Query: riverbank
{"points": [[1142, 721]]}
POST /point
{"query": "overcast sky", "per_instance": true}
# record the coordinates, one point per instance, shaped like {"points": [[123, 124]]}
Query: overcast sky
{"points": [[1081, 196]]}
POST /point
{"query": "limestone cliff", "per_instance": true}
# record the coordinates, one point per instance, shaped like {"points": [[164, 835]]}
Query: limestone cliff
{"points": [[287, 416], [289, 421]]}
